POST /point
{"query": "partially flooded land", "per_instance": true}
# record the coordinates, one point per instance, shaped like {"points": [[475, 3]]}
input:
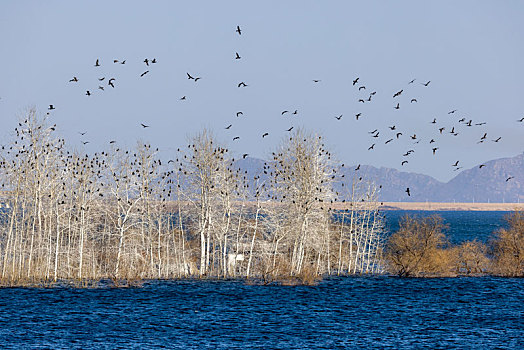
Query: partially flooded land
{"points": [[124, 215]]}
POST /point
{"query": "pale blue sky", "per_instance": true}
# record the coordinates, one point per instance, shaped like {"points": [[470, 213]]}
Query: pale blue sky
{"points": [[471, 51]]}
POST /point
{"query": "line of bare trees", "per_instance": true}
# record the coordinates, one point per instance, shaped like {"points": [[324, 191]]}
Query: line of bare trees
{"points": [[128, 215]]}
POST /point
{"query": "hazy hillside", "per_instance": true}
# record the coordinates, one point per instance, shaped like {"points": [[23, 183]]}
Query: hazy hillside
{"points": [[486, 184]]}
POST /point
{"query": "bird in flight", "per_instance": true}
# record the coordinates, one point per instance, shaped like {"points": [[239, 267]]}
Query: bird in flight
{"points": [[74, 80], [434, 121], [393, 127], [83, 133], [372, 132], [295, 112], [236, 138], [123, 62], [146, 61], [398, 134], [414, 137], [426, 84], [229, 126], [291, 128], [144, 125], [497, 140], [88, 93], [388, 141], [482, 165], [413, 100], [398, 93], [407, 191], [97, 64], [361, 88], [239, 31], [441, 129], [141, 75], [358, 115], [361, 100], [435, 150], [100, 87], [51, 107], [412, 81], [110, 82], [237, 56], [153, 60], [509, 178], [242, 84], [284, 112], [239, 113], [85, 142], [183, 98], [265, 134], [453, 111], [371, 147], [245, 155], [355, 81], [317, 80], [112, 141], [456, 163], [404, 162], [339, 117], [432, 141], [521, 120], [189, 76], [397, 106]]}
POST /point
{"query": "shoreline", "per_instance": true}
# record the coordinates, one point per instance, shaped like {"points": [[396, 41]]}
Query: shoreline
{"points": [[437, 206]]}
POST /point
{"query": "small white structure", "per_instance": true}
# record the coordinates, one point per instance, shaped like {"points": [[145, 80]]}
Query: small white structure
{"points": [[232, 261]]}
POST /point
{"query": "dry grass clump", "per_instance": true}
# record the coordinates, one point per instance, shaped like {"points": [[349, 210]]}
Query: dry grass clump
{"points": [[507, 248]]}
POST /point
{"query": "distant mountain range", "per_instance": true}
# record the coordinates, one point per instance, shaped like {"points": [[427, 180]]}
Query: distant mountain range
{"points": [[486, 184]]}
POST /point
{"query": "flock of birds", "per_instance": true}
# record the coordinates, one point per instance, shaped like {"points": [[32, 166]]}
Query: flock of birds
{"points": [[390, 135]]}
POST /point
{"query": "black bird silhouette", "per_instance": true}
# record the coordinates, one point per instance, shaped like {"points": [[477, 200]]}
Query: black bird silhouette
{"points": [[153, 60], [414, 137], [112, 141], [452, 130], [509, 178], [456, 163], [376, 135], [85, 142], [398, 93], [74, 80], [355, 81], [239, 31], [357, 168], [141, 75], [412, 81], [482, 165], [242, 84], [284, 112], [245, 155], [182, 98], [404, 162], [361, 88], [197, 79], [115, 61], [413, 100], [83, 133], [361, 100], [434, 121], [144, 126], [407, 191], [110, 82], [432, 141], [229, 126], [358, 115], [236, 138], [339, 117], [484, 136], [88, 93], [371, 147], [388, 141], [123, 62], [51, 107], [393, 127], [479, 124], [441, 130], [100, 87], [146, 61], [452, 111], [399, 134], [189, 76], [97, 64], [101, 79], [397, 106], [435, 150], [291, 128], [239, 113], [317, 80], [265, 134], [521, 120], [462, 120], [372, 132], [426, 84], [296, 111], [237, 56], [497, 140]]}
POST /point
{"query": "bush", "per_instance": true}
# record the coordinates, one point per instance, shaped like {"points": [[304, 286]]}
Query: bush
{"points": [[470, 258], [507, 248], [417, 248]]}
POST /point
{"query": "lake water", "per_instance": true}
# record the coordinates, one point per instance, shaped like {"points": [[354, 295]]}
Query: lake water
{"points": [[352, 312]]}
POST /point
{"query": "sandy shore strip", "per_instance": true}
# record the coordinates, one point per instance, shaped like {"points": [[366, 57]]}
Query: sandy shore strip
{"points": [[451, 206]]}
